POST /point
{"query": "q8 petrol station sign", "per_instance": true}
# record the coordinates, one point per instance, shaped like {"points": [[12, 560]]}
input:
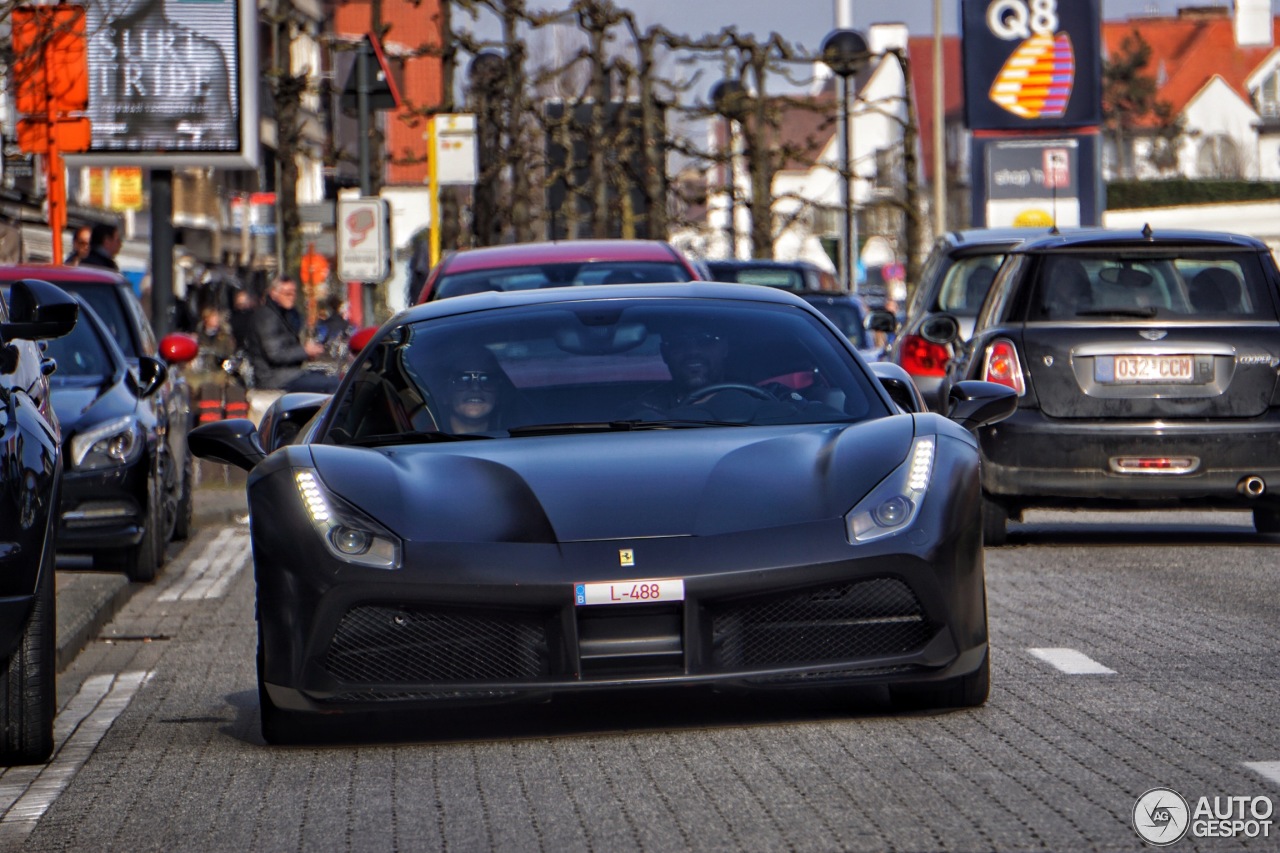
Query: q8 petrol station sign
{"points": [[1033, 100]]}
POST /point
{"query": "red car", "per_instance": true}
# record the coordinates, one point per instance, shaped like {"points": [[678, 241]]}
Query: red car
{"points": [[528, 266]]}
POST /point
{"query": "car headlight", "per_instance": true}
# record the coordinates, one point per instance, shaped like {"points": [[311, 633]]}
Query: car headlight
{"points": [[116, 442], [349, 534], [895, 502]]}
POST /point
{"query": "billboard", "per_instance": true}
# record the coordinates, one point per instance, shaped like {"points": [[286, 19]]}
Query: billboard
{"points": [[1032, 64], [172, 83], [1036, 181]]}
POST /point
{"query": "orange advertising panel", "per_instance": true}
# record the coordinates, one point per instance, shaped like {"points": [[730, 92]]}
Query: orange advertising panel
{"points": [[68, 135], [50, 59], [126, 188], [97, 187]]}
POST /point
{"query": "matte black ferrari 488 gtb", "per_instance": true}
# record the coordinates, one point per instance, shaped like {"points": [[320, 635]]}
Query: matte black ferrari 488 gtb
{"points": [[526, 494]]}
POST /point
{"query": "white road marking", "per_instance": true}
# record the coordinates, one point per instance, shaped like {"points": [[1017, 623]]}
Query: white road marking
{"points": [[210, 573], [1071, 662], [27, 792], [1269, 770]]}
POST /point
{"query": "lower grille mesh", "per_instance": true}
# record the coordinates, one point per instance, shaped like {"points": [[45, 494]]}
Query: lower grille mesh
{"points": [[394, 644], [865, 619]]}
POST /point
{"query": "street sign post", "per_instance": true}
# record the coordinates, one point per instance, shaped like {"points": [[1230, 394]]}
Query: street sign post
{"points": [[364, 239]]}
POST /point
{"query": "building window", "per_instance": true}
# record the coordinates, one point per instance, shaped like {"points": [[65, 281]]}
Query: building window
{"points": [[1219, 157]]}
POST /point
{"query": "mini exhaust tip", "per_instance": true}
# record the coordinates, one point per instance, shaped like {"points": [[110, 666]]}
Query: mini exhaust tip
{"points": [[1252, 486]]}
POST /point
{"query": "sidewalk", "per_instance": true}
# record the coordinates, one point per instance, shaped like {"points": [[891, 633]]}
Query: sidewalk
{"points": [[87, 599]]}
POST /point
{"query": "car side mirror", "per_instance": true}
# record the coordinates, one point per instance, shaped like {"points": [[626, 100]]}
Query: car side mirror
{"points": [[881, 321], [233, 442], [901, 387], [973, 403], [940, 329], [361, 339], [286, 417], [179, 348], [151, 375], [39, 310]]}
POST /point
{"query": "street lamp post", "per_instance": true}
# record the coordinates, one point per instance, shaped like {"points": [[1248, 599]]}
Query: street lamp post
{"points": [[845, 53], [729, 99]]}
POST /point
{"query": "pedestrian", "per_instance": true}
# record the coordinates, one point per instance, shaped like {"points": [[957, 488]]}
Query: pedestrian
{"points": [[242, 307], [104, 244], [79, 246], [276, 350]]}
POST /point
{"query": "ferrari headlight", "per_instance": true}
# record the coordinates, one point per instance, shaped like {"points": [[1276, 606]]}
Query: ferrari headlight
{"points": [[116, 442], [349, 534], [895, 502]]}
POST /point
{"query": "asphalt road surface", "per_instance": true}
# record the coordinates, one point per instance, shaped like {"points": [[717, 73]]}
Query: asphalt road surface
{"points": [[1130, 652]]}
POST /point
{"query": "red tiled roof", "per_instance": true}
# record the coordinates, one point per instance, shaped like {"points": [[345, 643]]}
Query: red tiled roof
{"points": [[1187, 52]]}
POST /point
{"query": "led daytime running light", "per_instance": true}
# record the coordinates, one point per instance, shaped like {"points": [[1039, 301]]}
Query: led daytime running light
{"points": [[312, 497], [892, 506], [346, 533]]}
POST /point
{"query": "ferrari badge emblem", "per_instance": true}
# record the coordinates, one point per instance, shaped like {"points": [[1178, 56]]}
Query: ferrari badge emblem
{"points": [[626, 557]]}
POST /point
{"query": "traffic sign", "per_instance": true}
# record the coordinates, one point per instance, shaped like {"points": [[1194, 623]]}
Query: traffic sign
{"points": [[364, 239], [50, 60]]}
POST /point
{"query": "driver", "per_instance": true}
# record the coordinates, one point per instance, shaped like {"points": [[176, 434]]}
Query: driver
{"points": [[696, 359]]}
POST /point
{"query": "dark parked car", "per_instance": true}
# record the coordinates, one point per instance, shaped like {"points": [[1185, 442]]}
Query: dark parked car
{"points": [[30, 473], [849, 313], [112, 502], [793, 276], [518, 495], [529, 266], [954, 281], [112, 297], [1145, 368]]}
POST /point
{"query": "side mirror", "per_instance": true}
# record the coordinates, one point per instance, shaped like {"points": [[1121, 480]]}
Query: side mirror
{"points": [[178, 348], [361, 339], [973, 403], [286, 417], [901, 387], [152, 373], [881, 321], [39, 310], [233, 441], [940, 329]]}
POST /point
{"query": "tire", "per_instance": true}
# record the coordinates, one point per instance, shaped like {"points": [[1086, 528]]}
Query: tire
{"points": [[182, 524], [1266, 520], [140, 563], [995, 522], [27, 696], [965, 691]]}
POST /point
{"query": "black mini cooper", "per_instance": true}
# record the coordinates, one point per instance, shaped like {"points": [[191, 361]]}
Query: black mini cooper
{"points": [[1146, 369]]}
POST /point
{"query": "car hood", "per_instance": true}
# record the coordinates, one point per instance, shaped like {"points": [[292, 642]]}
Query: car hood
{"points": [[570, 488], [80, 406]]}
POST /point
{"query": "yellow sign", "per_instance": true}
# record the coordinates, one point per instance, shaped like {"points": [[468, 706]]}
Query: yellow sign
{"points": [[126, 188], [97, 188], [1033, 218]]}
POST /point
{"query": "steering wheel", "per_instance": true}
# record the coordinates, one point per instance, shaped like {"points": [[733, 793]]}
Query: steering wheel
{"points": [[708, 390]]}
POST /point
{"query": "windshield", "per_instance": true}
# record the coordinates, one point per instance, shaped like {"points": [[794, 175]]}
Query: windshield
{"points": [[785, 278], [110, 309], [966, 284], [536, 276], [592, 365], [80, 354], [1191, 285]]}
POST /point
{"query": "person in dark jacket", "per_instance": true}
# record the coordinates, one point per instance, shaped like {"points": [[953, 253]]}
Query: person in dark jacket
{"points": [[243, 305], [79, 246], [104, 244], [275, 348]]}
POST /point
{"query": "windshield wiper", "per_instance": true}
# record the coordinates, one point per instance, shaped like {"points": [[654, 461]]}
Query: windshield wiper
{"points": [[1142, 313], [615, 426], [425, 437]]}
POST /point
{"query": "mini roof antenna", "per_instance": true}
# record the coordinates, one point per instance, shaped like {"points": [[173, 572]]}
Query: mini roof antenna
{"points": [[1146, 231]]}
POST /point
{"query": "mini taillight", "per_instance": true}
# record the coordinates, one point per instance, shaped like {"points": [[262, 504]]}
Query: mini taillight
{"points": [[1002, 366], [920, 357]]}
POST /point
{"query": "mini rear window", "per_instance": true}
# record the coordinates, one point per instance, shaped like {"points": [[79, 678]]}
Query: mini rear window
{"points": [[1192, 286]]}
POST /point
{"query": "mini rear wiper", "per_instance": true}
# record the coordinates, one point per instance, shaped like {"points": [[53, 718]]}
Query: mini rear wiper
{"points": [[614, 426], [425, 437]]}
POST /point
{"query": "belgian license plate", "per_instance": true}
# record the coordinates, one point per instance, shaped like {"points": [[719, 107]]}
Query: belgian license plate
{"points": [[1135, 369], [629, 592]]}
